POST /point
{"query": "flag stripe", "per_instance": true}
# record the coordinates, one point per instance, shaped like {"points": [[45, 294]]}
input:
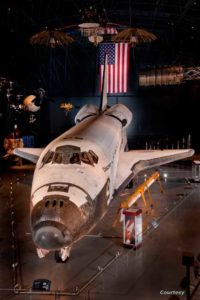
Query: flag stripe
{"points": [[127, 58], [118, 63]]}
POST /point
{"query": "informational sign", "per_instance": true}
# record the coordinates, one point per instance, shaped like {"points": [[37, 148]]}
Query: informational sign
{"points": [[132, 228], [41, 285]]}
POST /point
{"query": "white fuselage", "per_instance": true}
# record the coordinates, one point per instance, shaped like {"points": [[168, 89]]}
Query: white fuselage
{"points": [[73, 181]]}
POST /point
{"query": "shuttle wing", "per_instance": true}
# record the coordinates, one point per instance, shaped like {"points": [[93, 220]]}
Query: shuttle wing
{"points": [[31, 154], [132, 162]]}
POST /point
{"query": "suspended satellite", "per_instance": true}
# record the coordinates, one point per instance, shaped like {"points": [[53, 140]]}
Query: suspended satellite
{"points": [[134, 36], [51, 38], [29, 104]]}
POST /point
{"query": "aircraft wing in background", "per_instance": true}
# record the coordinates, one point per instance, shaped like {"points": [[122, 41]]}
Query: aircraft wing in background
{"points": [[31, 154], [132, 162]]}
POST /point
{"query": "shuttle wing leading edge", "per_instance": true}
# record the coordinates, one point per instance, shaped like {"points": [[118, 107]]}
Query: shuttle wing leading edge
{"points": [[132, 162], [31, 154]]}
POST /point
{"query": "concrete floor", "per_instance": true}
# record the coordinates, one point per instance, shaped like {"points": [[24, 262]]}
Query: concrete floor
{"points": [[100, 267]]}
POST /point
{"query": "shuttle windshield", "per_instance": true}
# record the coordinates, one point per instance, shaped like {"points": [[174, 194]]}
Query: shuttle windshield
{"points": [[69, 154]]}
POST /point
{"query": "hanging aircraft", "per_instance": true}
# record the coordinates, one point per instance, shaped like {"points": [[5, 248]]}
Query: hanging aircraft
{"points": [[79, 172]]}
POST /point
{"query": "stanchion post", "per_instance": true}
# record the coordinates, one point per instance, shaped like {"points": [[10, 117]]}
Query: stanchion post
{"points": [[188, 261]]}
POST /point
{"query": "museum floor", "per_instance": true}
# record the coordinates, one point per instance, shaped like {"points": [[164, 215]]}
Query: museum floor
{"points": [[99, 266]]}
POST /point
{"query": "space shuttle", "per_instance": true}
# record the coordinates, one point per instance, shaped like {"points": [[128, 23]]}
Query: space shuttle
{"points": [[80, 172]]}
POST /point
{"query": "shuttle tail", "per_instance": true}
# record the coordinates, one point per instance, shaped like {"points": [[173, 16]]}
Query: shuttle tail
{"points": [[104, 100]]}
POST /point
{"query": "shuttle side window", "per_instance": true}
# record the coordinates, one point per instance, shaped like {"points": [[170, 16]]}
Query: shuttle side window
{"points": [[94, 156], [47, 158], [89, 157], [84, 157]]}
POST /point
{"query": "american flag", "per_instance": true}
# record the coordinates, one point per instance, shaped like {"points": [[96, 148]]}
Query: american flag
{"points": [[118, 63]]}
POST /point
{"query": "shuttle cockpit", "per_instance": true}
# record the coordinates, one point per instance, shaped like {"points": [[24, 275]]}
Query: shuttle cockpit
{"points": [[69, 154]]}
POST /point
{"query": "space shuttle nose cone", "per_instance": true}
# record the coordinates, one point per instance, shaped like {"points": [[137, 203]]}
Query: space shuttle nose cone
{"points": [[56, 222], [49, 237]]}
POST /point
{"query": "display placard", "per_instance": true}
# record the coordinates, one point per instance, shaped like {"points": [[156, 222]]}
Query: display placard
{"points": [[132, 228]]}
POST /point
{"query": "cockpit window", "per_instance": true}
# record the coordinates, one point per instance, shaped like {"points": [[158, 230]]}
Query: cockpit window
{"points": [[69, 154], [89, 157], [57, 158], [75, 158], [66, 155], [94, 156], [48, 157]]}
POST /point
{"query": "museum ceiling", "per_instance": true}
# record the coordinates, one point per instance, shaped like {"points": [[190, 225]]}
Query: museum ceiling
{"points": [[175, 23], [160, 16]]}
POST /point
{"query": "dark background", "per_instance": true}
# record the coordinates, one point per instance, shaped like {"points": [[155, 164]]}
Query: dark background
{"points": [[165, 113]]}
